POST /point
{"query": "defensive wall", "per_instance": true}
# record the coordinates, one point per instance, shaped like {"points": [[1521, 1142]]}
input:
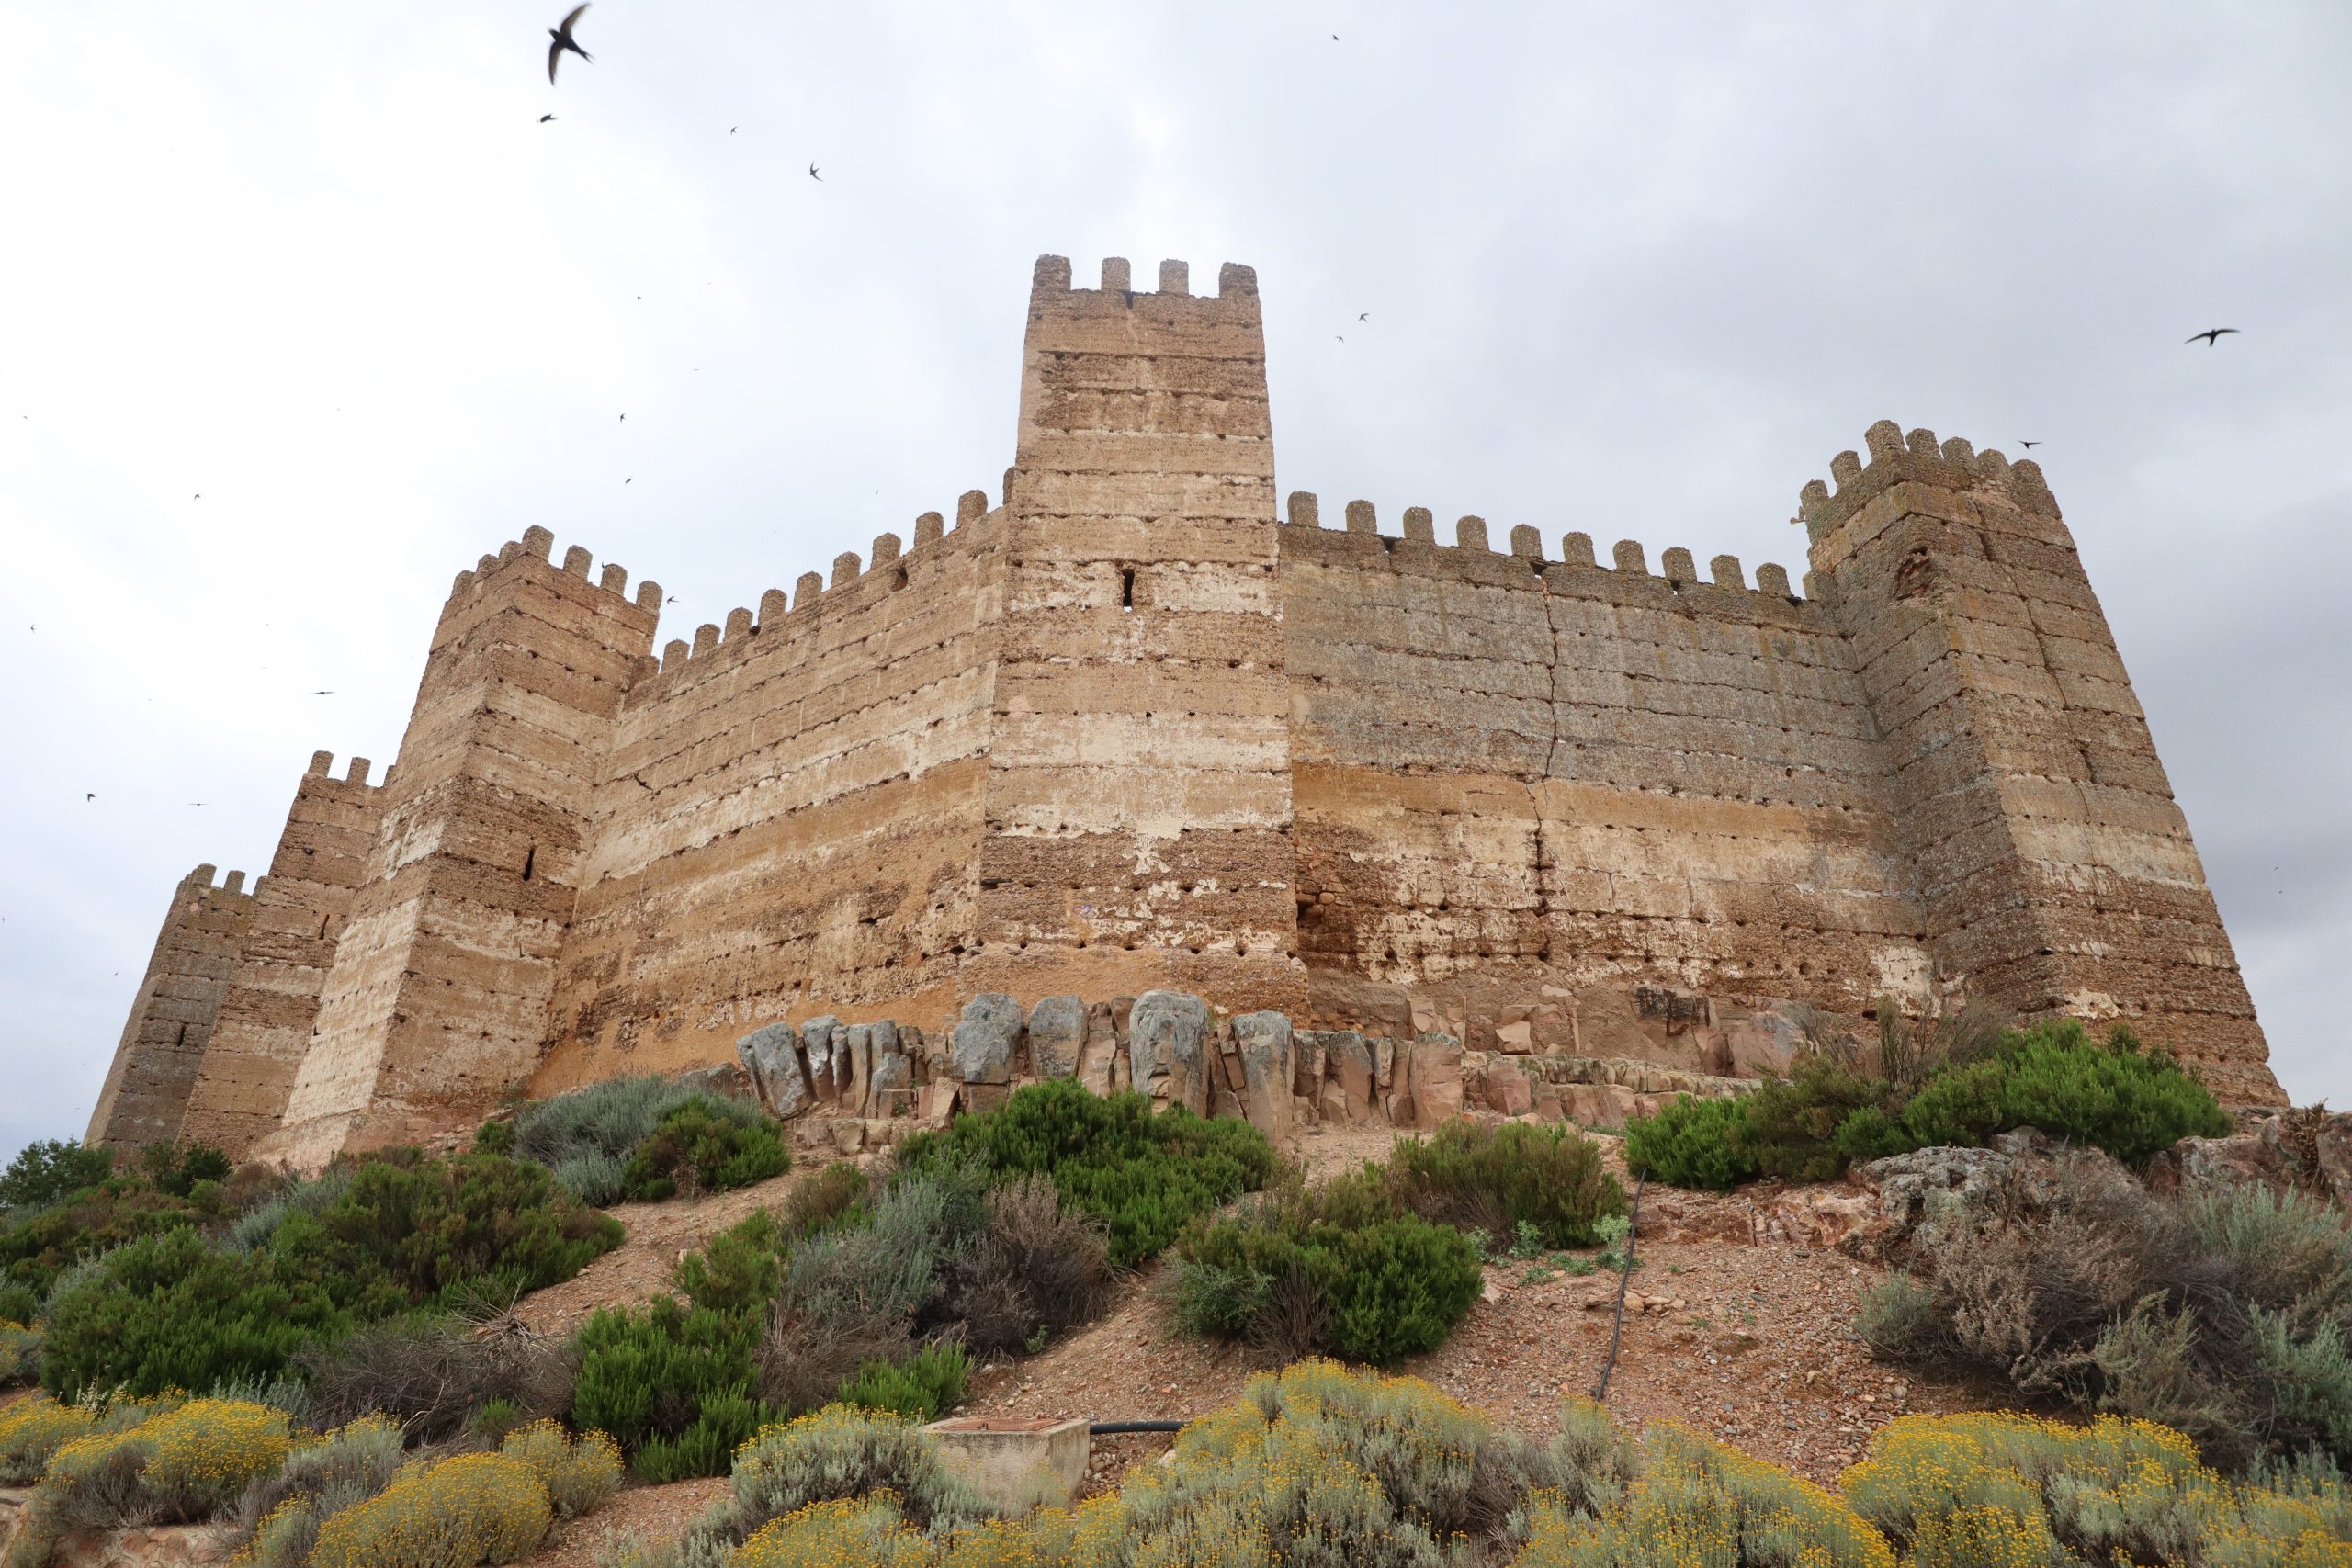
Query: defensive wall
{"points": [[1126, 728]]}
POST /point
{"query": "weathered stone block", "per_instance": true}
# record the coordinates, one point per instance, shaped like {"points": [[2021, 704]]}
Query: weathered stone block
{"points": [[1167, 1041], [1264, 1045], [984, 1039], [1057, 1028], [770, 1054]]}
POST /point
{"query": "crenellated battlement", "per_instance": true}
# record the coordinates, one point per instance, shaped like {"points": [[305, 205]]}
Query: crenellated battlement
{"points": [[322, 765], [539, 544], [1472, 553], [1051, 279], [716, 646], [1895, 457]]}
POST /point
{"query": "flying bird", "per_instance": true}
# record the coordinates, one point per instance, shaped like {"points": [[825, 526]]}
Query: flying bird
{"points": [[2029, 445], [731, 130], [631, 481], [624, 419], [545, 117], [322, 694], [2210, 336], [563, 40], [200, 495], [1363, 315], [1336, 338], [813, 173], [89, 798]]}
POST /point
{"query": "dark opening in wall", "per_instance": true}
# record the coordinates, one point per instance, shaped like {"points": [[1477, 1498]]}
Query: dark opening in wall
{"points": [[530, 859], [1127, 589]]}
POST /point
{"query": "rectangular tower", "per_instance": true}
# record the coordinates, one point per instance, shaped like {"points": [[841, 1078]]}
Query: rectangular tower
{"points": [[146, 1093], [2058, 873], [438, 999], [272, 1000], [1138, 807]]}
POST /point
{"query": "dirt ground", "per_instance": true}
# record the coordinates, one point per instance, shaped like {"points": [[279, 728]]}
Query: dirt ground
{"points": [[1739, 1325]]}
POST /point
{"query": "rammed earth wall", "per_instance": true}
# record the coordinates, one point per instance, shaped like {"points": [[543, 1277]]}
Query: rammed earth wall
{"points": [[1128, 729]]}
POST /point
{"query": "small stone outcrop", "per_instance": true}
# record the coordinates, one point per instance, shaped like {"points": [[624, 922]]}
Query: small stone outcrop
{"points": [[2306, 1150]]}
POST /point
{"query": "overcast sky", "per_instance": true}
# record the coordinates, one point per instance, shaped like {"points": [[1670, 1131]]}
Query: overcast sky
{"points": [[1636, 270]]}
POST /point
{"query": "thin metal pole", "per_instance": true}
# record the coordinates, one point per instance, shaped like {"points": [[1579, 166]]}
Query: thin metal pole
{"points": [[1617, 1325]]}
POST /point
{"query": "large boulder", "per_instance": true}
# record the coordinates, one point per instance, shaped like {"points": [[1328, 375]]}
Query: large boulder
{"points": [[2307, 1150], [1167, 1041], [770, 1054], [1262, 1039], [2022, 1170], [1349, 1065], [1437, 1082], [985, 1035], [1056, 1036], [891, 1090]]}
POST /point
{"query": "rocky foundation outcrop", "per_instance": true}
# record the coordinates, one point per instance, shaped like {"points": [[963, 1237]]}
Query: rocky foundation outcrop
{"points": [[851, 1086]]}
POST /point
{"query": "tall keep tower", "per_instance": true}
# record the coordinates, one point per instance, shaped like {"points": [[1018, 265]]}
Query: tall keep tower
{"points": [[1138, 807]]}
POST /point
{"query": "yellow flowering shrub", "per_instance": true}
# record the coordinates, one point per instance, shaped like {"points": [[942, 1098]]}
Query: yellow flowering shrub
{"points": [[1041, 1541], [845, 1533], [32, 1429], [208, 1448], [1956, 1491], [1699, 1504], [475, 1508], [578, 1472]]}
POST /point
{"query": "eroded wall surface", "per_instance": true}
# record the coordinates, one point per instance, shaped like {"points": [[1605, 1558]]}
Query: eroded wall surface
{"points": [[790, 820], [1551, 773]]}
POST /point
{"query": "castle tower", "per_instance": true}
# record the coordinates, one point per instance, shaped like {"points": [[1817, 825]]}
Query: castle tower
{"points": [[2057, 871], [437, 999], [171, 1019], [1138, 807], [272, 999]]}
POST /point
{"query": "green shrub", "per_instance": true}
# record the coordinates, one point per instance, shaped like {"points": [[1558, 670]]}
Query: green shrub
{"points": [[474, 1508], [1514, 1176], [737, 1270], [1692, 1143], [1800, 1128], [444, 1230], [578, 1472], [179, 1169], [494, 1138], [589, 1136], [1145, 1176], [38, 1247], [2130, 1102], [923, 1387], [699, 1150], [48, 1170], [674, 1388], [168, 1311], [1290, 1277]]}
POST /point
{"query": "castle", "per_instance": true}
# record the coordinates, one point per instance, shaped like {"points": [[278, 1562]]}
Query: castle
{"points": [[1128, 729]]}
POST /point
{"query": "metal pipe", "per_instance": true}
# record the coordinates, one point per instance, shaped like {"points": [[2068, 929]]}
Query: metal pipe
{"points": [[1112, 1429]]}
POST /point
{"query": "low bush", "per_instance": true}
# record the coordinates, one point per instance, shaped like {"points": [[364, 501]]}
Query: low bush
{"points": [[474, 1508], [700, 1148], [435, 1374], [578, 1472], [737, 1270], [674, 1387], [1958, 1491], [834, 1454], [591, 1137], [921, 1387], [172, 1466], [1331, 1271], [32, 1429], [20, 1354], [276, 1520], [1143, 1175], [828, 1197], [400, 1230], [1500, 1179], [48, 1170], [1691, 1142], [1697, 1504], [2227, 1314], [1807, 1126], [2130, 1102]]}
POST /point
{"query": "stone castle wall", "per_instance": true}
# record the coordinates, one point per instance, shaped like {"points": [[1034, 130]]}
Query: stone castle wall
{"points": [[1126, 731]]}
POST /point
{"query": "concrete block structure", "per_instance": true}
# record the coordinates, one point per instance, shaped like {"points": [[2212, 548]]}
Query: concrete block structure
{"points": [[1131, 725]]}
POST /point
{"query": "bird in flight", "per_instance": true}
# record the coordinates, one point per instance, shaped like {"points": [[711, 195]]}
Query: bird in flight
{"points": [[1363, 315], [813, 173], [731, 130], [624, 419], [322, 694], [89, 798], [563, 40], [545, 117], [631, 481], [1336, 338], [2212, 336], [200, 495], [2029, 445]]}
